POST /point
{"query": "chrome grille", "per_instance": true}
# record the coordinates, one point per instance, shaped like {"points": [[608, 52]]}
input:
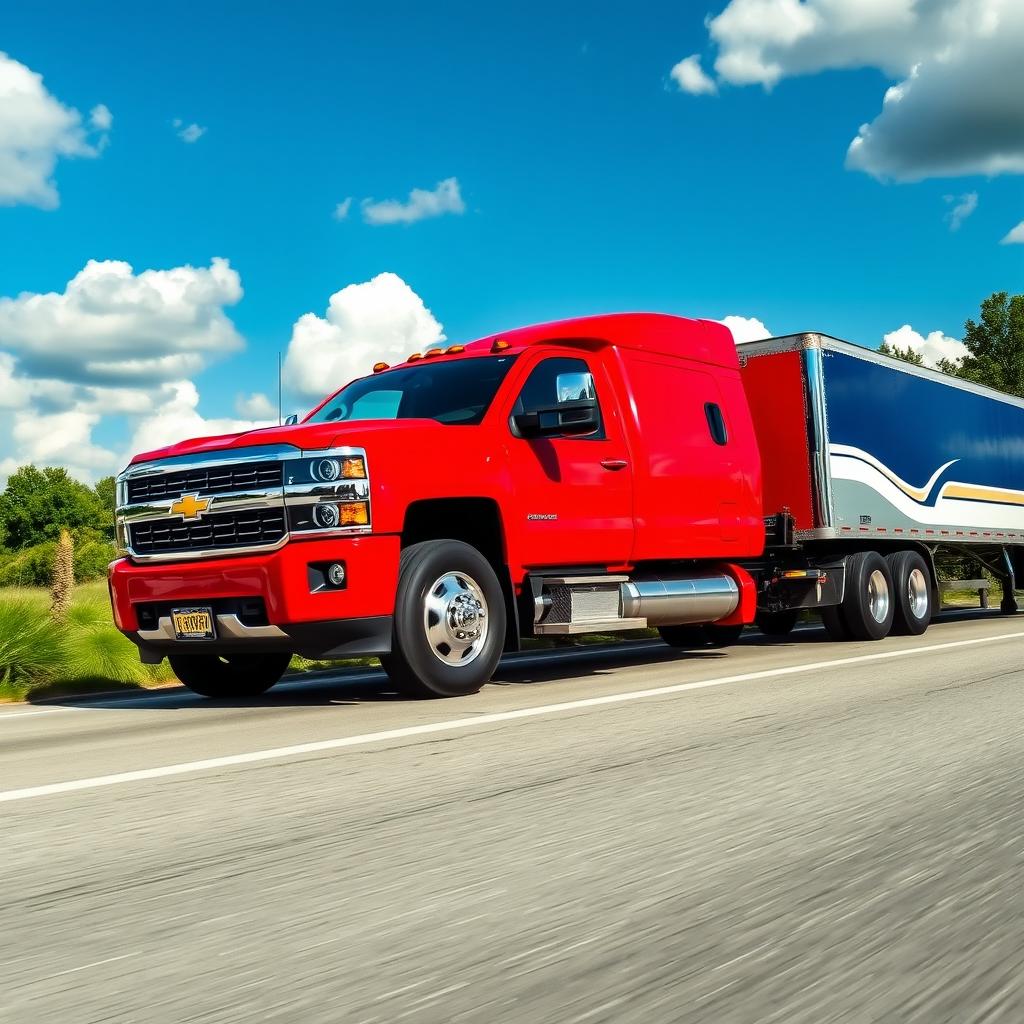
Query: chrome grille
{"points": [[213, 479], [221, 530]]}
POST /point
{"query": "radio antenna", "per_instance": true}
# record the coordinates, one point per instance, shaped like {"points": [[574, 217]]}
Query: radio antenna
{"points": [[280, 405]]}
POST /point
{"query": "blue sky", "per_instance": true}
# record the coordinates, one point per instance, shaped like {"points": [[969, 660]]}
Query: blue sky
{"points": [[591, 181]]}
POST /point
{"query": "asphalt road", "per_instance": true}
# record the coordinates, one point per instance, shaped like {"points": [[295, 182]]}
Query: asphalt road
{"points": [[788, 832]]}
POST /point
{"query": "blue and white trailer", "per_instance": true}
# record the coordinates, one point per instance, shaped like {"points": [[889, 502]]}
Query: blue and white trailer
{"points": [[875, 473]]}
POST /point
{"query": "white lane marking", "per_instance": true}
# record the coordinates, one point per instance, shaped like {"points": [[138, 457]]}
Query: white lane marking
{"points": [[29, 714], [455, 724]]}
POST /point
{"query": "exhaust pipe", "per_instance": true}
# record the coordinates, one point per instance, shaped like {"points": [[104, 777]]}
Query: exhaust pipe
{"points": [[704, 597]]}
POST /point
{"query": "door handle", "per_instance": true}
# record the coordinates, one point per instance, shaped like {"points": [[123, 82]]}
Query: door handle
{"points": [[614, 464]]}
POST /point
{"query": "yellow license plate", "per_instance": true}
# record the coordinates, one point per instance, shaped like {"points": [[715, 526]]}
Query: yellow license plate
{"points": [[193, 623]]}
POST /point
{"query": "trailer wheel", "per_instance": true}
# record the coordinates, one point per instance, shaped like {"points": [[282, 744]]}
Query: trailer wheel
{"points": [[912, 584], [229, 676], [869, 604], [684, 638], [776, 623], [723, 636], [449, 626]]}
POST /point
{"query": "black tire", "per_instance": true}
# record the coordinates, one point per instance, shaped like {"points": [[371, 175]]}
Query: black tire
{"points": [[684, 638], [229, 676], [459, 581], [776, 623], [723, 636], [869, 602], [834, 623], [912, 583]]}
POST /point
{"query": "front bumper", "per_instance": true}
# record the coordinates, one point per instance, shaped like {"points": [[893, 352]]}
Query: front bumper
{"points": [[355, 620]]}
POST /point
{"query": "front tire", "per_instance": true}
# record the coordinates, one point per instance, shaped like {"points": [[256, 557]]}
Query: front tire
{"points": [[912, 583], [229, 676], [449, 625]]}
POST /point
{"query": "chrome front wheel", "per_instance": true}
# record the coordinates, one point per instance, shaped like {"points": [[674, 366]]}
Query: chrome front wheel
{"points": [[455, 618]]}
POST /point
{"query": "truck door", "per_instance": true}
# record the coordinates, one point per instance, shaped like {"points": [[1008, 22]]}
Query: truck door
{"points": [[572, 495]]}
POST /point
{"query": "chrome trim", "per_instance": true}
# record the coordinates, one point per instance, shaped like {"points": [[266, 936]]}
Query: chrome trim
{"points": [[221, 501], [229, 627], [337, 490], [817, 437], [290, 494]]}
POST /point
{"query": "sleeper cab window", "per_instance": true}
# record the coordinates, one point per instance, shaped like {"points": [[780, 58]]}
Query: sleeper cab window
{"points": [[558, 400]]}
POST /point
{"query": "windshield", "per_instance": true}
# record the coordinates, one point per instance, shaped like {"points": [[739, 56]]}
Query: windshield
{"points": [[457, 392]]}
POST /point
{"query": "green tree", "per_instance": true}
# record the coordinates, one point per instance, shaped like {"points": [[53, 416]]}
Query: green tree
{"points": [[995, 346], [901, 353], [106, 492], [38, 503]]}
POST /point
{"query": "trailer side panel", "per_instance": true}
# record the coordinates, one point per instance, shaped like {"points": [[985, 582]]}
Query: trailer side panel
{"points": [[916, 454]]}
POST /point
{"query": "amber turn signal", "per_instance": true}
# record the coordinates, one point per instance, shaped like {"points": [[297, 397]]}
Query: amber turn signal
{"points": [[354, 513], [353, 468]]}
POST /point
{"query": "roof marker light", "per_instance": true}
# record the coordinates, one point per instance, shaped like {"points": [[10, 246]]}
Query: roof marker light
{"points": [[454, 350], [499, 346], [414, 357], [432, 353], [377, 367]]}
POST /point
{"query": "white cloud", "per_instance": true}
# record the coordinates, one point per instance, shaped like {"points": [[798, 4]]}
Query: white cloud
{"points": [[745, 328], [691, 77], [177, 417], [954, 107], [933, 347], [101, 118], [342, 209], [62, 439], [378, 320], [256, 406], [188, 132], [36, 129], [964, 206], [1015, 236], [111, 326], [113, 343], [421, 204]]}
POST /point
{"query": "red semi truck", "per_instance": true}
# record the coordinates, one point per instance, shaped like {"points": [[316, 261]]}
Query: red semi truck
{"points": [[597, 474]]}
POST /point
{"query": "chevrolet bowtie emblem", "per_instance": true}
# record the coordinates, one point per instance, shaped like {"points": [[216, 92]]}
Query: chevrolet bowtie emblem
{"points": [[188, 506]]}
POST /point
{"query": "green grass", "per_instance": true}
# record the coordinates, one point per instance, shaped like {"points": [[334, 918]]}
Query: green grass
{"points": [[41, 658]]}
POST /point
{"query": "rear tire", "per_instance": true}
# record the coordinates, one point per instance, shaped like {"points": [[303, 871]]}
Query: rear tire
{"points": [[449, 625], [229, 676], [776, 623], [868, 605], [684, 638], [913, 588], [723, 636]]}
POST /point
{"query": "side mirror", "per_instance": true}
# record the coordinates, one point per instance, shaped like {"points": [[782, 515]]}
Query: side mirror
{"points": [[567, 419], [292, 420], [575, 414]]}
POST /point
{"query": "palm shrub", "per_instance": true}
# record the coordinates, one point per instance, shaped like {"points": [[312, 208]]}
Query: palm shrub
{"points": [[94, 649], [31, 650]]}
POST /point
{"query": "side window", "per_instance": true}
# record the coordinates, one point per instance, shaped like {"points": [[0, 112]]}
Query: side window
{"points": [[554, 381], [716, 423]]}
